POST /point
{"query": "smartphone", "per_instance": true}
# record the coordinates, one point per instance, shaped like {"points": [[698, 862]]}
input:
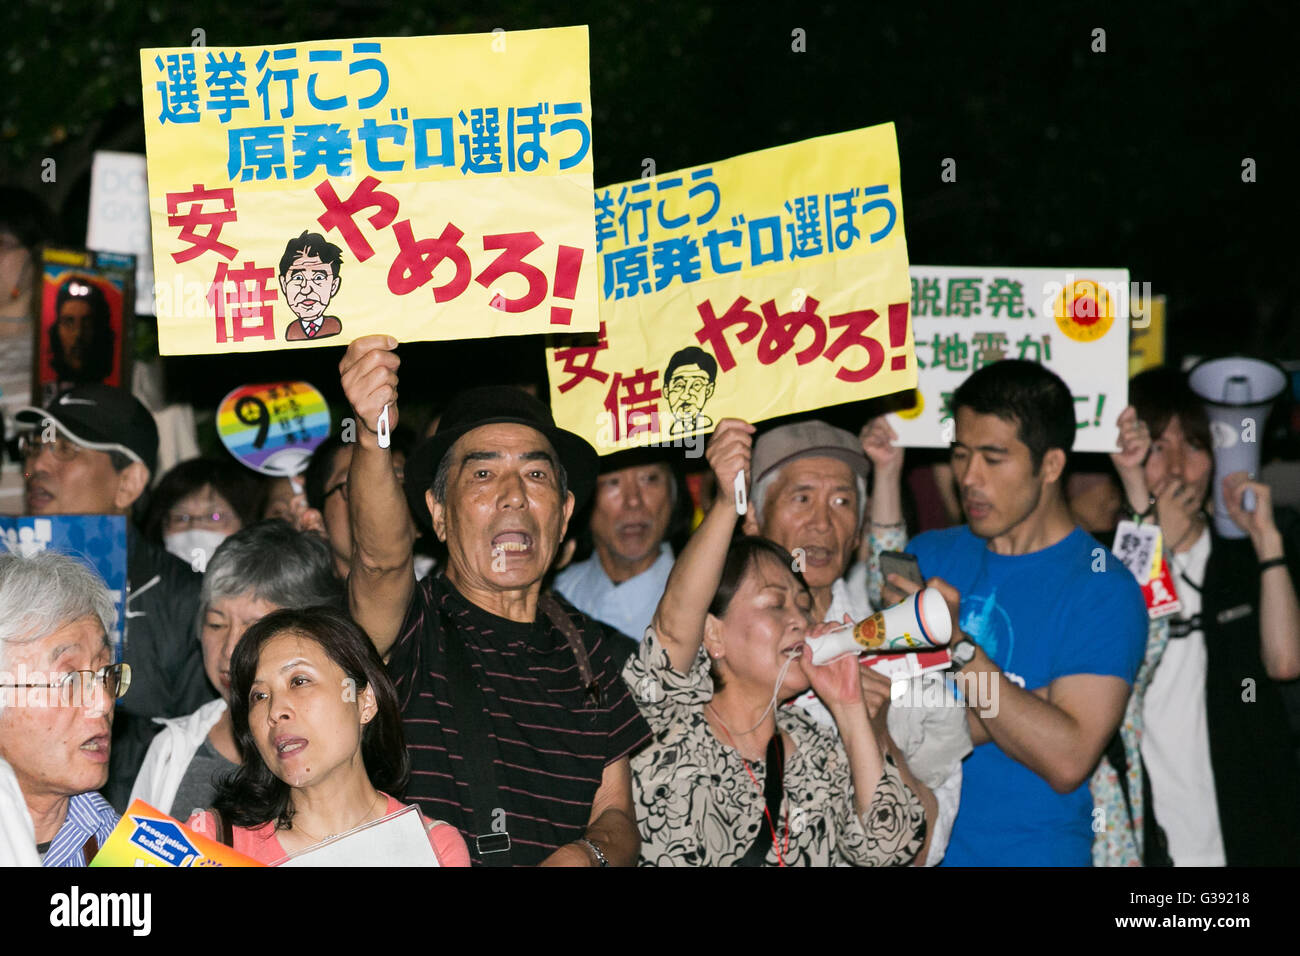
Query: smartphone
{"points": [[900, 562]]}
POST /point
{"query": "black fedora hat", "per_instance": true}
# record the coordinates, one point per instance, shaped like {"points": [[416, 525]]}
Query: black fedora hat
{"points": [[493, 405]]}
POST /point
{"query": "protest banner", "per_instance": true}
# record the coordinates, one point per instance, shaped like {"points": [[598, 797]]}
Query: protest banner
{"points": [[85, 324], [147, 837], [426, 187], [97, 541], [119, 216], [1074, 321], [273, 429], [768, 284]]}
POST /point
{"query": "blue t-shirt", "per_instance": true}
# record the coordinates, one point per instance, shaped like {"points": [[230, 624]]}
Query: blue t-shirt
{"points": [[1072, 608]]}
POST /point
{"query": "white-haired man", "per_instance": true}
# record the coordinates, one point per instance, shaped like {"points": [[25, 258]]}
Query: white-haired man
{"points": [[58, 687], [810, 497]]}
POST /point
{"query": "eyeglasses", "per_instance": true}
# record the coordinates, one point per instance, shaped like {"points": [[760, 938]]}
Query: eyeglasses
{"points": [[180, 521], [30, 448], [115, 678], [341, 484]]}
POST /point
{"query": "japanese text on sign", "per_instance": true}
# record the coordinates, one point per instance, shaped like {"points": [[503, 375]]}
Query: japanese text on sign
{"points": [[328, 189]]}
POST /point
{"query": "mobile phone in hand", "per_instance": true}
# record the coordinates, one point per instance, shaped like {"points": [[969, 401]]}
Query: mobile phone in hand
{"points": [[902, 563]]}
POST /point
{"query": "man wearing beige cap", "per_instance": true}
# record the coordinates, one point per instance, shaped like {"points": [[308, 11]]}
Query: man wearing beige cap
{"points": [[810, 496]]}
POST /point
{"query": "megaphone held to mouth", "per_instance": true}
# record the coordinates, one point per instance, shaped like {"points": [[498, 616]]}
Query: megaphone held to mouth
{"points": [[921, 622], [1237, 392]]}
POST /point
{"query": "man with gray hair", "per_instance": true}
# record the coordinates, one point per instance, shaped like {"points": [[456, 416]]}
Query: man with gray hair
{"points": [[58, 687], [810, 496], [263, 568]]}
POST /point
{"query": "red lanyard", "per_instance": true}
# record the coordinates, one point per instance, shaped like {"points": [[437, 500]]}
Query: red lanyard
{"points": [[780, 850]]}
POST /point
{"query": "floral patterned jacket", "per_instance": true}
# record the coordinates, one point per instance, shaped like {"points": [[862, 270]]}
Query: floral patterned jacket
{"points": [[697, 806], [1118, 823]]}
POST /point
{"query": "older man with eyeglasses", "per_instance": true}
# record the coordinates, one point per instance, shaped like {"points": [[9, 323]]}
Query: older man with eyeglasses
{"points": [[92, 450], [58, 688]]}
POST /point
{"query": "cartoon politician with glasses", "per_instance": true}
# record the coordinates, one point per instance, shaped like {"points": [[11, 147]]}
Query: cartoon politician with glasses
{"points": [[688, 384], [309, 278]]}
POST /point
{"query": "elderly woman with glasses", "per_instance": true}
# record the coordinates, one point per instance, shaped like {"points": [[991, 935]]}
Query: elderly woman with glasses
{"points": [[260, 569], [58, 688]]}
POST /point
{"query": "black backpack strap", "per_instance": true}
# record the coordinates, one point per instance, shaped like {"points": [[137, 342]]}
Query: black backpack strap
{"points": [[478, 752], [559, 617], [1118, 759], [773, 788], [1155, 846]]}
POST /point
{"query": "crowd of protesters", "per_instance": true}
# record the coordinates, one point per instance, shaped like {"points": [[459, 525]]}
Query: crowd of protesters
{"points": [[655, 701]]}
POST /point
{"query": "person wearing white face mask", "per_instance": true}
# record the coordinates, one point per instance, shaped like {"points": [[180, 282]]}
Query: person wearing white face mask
{"points": [[260, 569], [201, 502]]}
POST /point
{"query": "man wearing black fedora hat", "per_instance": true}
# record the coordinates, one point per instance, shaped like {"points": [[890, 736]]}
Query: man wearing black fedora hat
{"points": [[518, 725]]}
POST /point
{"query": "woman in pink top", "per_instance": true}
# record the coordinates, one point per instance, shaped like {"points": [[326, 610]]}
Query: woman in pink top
{"points": [[316, 718]]}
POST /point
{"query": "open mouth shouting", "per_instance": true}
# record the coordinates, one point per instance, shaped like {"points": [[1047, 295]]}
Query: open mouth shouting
{"points": [[512, 542]]}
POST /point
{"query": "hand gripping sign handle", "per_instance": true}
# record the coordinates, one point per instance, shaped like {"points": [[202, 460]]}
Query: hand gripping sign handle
{"points": [[381, 428], [738, 487]]}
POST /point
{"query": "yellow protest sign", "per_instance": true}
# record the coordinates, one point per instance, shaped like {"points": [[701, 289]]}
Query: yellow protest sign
{"points": [[1146, 341], [764, 285], [428, 187]]}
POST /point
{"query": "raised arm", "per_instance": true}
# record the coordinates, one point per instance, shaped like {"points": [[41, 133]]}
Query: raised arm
{"points": [[1279, 611], [1134, 443], [679, 618], [885, 530], [383, 537]]}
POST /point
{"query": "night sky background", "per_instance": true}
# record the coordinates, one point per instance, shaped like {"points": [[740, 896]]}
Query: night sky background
{"points": [[1065, 157]]}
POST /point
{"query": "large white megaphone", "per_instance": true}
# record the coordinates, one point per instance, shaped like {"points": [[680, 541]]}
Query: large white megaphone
{"points": [[1237, 392], [920, 623]]}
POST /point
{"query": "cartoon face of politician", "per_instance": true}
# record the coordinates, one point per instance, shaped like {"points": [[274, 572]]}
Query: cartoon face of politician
{"points": [[688, 385], [309, 278]]}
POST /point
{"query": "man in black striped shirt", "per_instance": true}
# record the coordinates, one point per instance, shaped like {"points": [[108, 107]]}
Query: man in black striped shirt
{"points": [[508, 695]]}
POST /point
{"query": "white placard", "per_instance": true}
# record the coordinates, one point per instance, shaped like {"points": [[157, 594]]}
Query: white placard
{"points": [[398, 839], [1074, 321], [119, 217]]}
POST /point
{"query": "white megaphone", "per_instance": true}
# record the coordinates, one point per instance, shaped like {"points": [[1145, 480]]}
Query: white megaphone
{"points": [[1237, 392], [919, 623]]}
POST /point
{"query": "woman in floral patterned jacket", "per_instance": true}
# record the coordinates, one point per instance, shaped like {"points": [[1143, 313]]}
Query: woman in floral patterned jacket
{"points": [[731, 778]]}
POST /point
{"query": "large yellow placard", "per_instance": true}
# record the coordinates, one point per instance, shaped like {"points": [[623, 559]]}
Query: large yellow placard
{"points": [[427, 187], [764, 285]]}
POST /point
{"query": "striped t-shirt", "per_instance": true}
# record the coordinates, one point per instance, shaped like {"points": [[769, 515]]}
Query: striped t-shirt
{"points": [[553, 743]]}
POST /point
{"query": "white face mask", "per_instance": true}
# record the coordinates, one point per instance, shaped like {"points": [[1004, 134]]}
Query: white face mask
{"points": [[195, 546]]}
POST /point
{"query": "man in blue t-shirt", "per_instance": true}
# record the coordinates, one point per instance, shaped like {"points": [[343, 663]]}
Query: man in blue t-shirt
{"points": [[1052, 626]]}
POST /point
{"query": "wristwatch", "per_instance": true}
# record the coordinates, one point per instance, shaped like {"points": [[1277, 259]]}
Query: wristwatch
{"points": [[962, 653], [596, 852]]}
